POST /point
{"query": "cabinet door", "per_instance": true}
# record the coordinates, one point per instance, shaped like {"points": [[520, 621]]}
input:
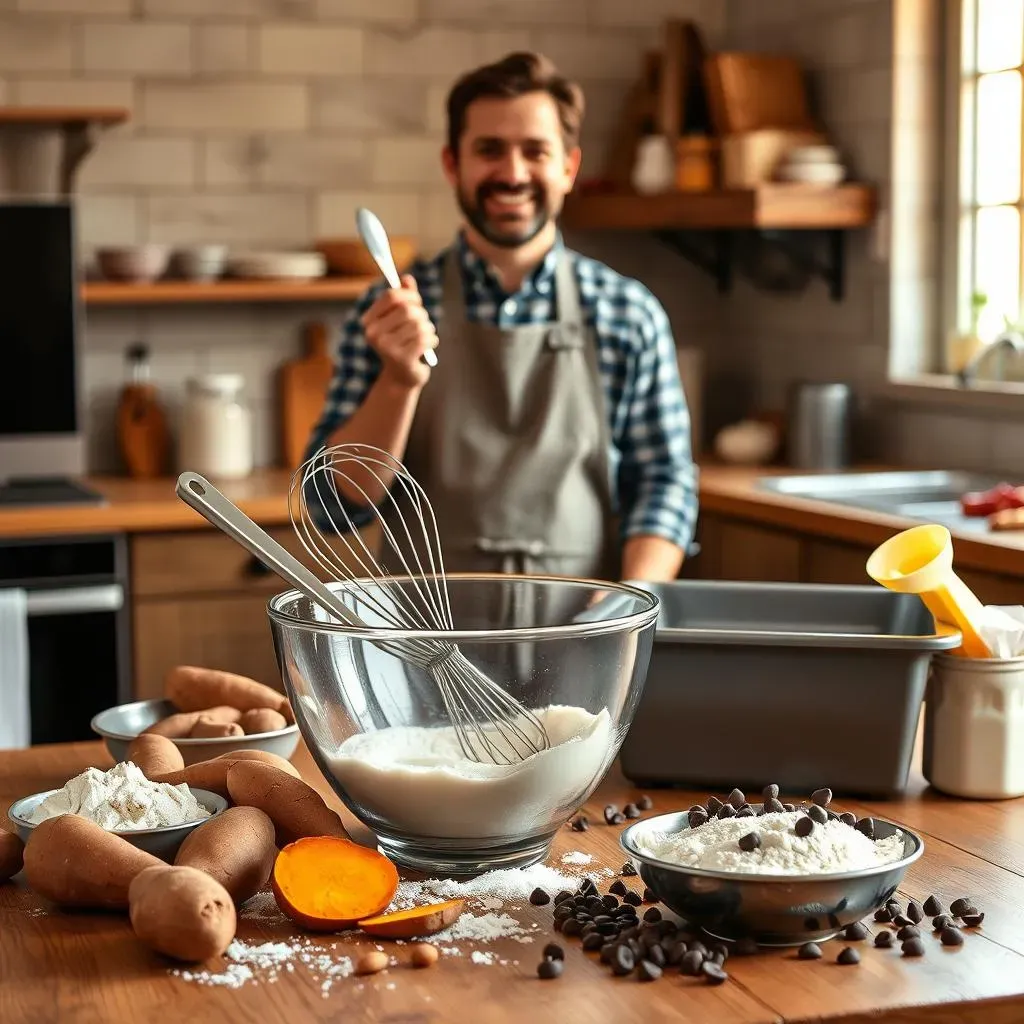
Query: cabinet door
{"points": [[827, 561], [741, 551], [229, 632], [991, 588]]}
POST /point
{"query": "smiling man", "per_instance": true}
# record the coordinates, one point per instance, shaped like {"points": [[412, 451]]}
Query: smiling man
{"points": [[552, 435]]}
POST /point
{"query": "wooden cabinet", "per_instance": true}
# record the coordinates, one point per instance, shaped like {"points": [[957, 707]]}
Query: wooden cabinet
{"points": [[830, 561]]}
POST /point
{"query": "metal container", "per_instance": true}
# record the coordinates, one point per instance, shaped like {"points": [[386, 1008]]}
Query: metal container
{"points": [[819, 426], [803, 685], [776, 910]]}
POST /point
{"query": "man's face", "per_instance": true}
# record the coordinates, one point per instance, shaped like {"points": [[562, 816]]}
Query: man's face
{"points": [[512, 171]]}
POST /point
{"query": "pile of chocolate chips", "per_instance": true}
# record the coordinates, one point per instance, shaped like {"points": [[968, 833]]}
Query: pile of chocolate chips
{"points": [[611, 925], [613, 816]]}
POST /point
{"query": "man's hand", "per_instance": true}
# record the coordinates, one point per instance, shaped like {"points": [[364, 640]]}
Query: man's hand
{"points": [[399, 330]]}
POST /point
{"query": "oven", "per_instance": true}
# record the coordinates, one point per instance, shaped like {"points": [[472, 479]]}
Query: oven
{"points": [[79, 630]]}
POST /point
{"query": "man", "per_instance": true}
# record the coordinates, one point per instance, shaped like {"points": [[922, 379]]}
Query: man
{"points": [[552, 436]]}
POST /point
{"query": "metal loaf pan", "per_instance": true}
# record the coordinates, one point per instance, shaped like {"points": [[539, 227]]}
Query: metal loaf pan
{"points": [[804, 685]]}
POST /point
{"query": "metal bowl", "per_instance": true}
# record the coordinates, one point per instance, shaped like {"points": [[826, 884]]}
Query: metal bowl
{"points": [[775, 910], [161, 842], [120, 725]]}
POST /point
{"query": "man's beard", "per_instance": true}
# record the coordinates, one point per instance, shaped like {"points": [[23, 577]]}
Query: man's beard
{"points": [[493, 231]]}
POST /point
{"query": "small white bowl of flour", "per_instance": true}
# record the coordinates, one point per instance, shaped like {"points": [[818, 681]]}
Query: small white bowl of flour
{"points": [[154, 816]]}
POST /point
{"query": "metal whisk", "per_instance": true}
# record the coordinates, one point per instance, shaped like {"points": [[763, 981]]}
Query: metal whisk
{"points": [[490, 724]]}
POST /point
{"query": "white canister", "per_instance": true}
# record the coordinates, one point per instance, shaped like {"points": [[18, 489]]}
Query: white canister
{"points": [[655, 168], [216, 428], [974, 727]]}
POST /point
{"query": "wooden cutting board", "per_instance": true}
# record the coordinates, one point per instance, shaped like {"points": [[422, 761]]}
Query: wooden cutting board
{"points": [[747, 91], [303, 388]]}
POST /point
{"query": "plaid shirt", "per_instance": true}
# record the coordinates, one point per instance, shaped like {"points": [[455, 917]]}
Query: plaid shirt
{"points": [[654, 479]]}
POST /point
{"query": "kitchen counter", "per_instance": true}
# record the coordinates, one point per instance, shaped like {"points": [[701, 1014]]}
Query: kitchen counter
{"points": [[86, 967], [142, 506]]}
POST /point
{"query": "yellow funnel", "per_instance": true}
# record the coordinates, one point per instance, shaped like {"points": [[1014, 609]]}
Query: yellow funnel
{"points": [[920, 561]]}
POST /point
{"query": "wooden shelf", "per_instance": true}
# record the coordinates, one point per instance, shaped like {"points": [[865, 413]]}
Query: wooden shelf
{"points": [[781, 206], [62, 115], [160, 293]]}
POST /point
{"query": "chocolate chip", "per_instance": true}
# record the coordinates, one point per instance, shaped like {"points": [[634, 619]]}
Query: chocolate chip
{"points": [[848, 819], [595, 940], [803, 827], [895, 907], [691, 962], [809, 951], [941, 921], [634, 947], [602, 919], [819, 814], [914, 912], [884, 940], [848, 956], [908, 931], [913, 947], [553, 951], [713, 805], [737, 799], [631, 811], [656, 955], [746, 811], [549, 969], [645, 803], [652, 916], [580, 824], [539, 898], [607, 951], [675, 953], [623, 960], [960, 906], [572, 927], [713, 973], [667, 928], [901, 921], [648, 971], [617, 819], [822, 797], [610, 902], [727, 811], [628, 869], [855, 932], [634, 899], [789, 807], [745, 946], [883, 915], [950, 936], [770, 792], [832, 816], [649, 896], [719, 950], [609, 812], [867, 826], [595, 904], [973, 920], [932, 907], [588, 888], [750, 842], [618, 887], [608, 929], [773, 806], [562, 896], [630, 933]]}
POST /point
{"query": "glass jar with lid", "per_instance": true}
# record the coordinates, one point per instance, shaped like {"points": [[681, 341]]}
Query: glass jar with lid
{"points": [[216, 428]]}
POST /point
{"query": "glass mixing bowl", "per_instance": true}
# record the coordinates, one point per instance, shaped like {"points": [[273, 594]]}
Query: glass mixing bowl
{"points": [[576, 652]]}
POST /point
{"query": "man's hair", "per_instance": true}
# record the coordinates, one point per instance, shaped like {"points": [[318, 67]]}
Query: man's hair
{"points": [[513, 76]]}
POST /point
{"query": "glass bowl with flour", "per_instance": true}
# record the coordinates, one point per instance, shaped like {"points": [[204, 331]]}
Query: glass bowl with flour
{"points": [[575, 652]]}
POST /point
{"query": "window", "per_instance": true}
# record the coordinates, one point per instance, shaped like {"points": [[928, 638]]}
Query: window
{"points": [[987, 207]]}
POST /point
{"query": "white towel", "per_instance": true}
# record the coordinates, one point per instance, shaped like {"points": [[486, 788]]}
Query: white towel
{"points": [[15, 714]]}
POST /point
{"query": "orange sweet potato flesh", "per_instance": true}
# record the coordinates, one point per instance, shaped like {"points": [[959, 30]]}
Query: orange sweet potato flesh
{"points": [[327, 884], [190, 688], [212, 775], [410, 924]]}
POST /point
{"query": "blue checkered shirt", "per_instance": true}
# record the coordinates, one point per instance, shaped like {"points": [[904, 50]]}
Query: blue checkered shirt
{"points": [[654, 479]]}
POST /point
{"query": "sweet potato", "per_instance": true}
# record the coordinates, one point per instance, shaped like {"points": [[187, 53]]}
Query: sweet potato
{"points": [[73, 862], [261, 720], [154, 755], [236, 848], [191, 688], [212, 775], [181, 912], [209, 728], [328, 884], [12, 851], [297, 810], [410, 924]]}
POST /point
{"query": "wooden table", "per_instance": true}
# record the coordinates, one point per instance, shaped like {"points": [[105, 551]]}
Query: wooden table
{"points": [[86, 967]]}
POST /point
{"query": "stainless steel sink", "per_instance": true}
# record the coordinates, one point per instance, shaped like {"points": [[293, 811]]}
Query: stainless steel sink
{"points": [[926, 495]]}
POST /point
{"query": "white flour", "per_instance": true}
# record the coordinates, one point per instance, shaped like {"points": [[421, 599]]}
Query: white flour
{"points": [[418, 779], [489, 891], [122, 800], [832, 847]]}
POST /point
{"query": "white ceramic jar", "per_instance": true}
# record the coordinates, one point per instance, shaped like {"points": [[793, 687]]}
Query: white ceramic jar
{"points": [[216, 428], [654, 168], [974, 727]]}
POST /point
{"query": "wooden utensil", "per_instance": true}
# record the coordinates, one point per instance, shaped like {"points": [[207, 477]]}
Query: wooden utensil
{"points": [[747, 91], [142, 432], [303, 389]]}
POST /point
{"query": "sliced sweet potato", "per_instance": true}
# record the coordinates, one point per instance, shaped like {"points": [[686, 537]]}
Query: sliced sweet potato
{"points": [[328, 884], [411, 924]]}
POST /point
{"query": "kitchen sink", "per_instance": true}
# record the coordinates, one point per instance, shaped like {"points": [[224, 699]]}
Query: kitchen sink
{"points": [[924, 495]]}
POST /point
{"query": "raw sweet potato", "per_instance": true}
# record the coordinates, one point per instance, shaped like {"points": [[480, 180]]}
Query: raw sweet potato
{"points": [[181, 912], [297, 810], [209, 728], [261, 720], [329, 884], [190, 688], [73, 862], [179, 725], [410, 924], [154, 755], [236, 848], [213, 774], [12, 851]]}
